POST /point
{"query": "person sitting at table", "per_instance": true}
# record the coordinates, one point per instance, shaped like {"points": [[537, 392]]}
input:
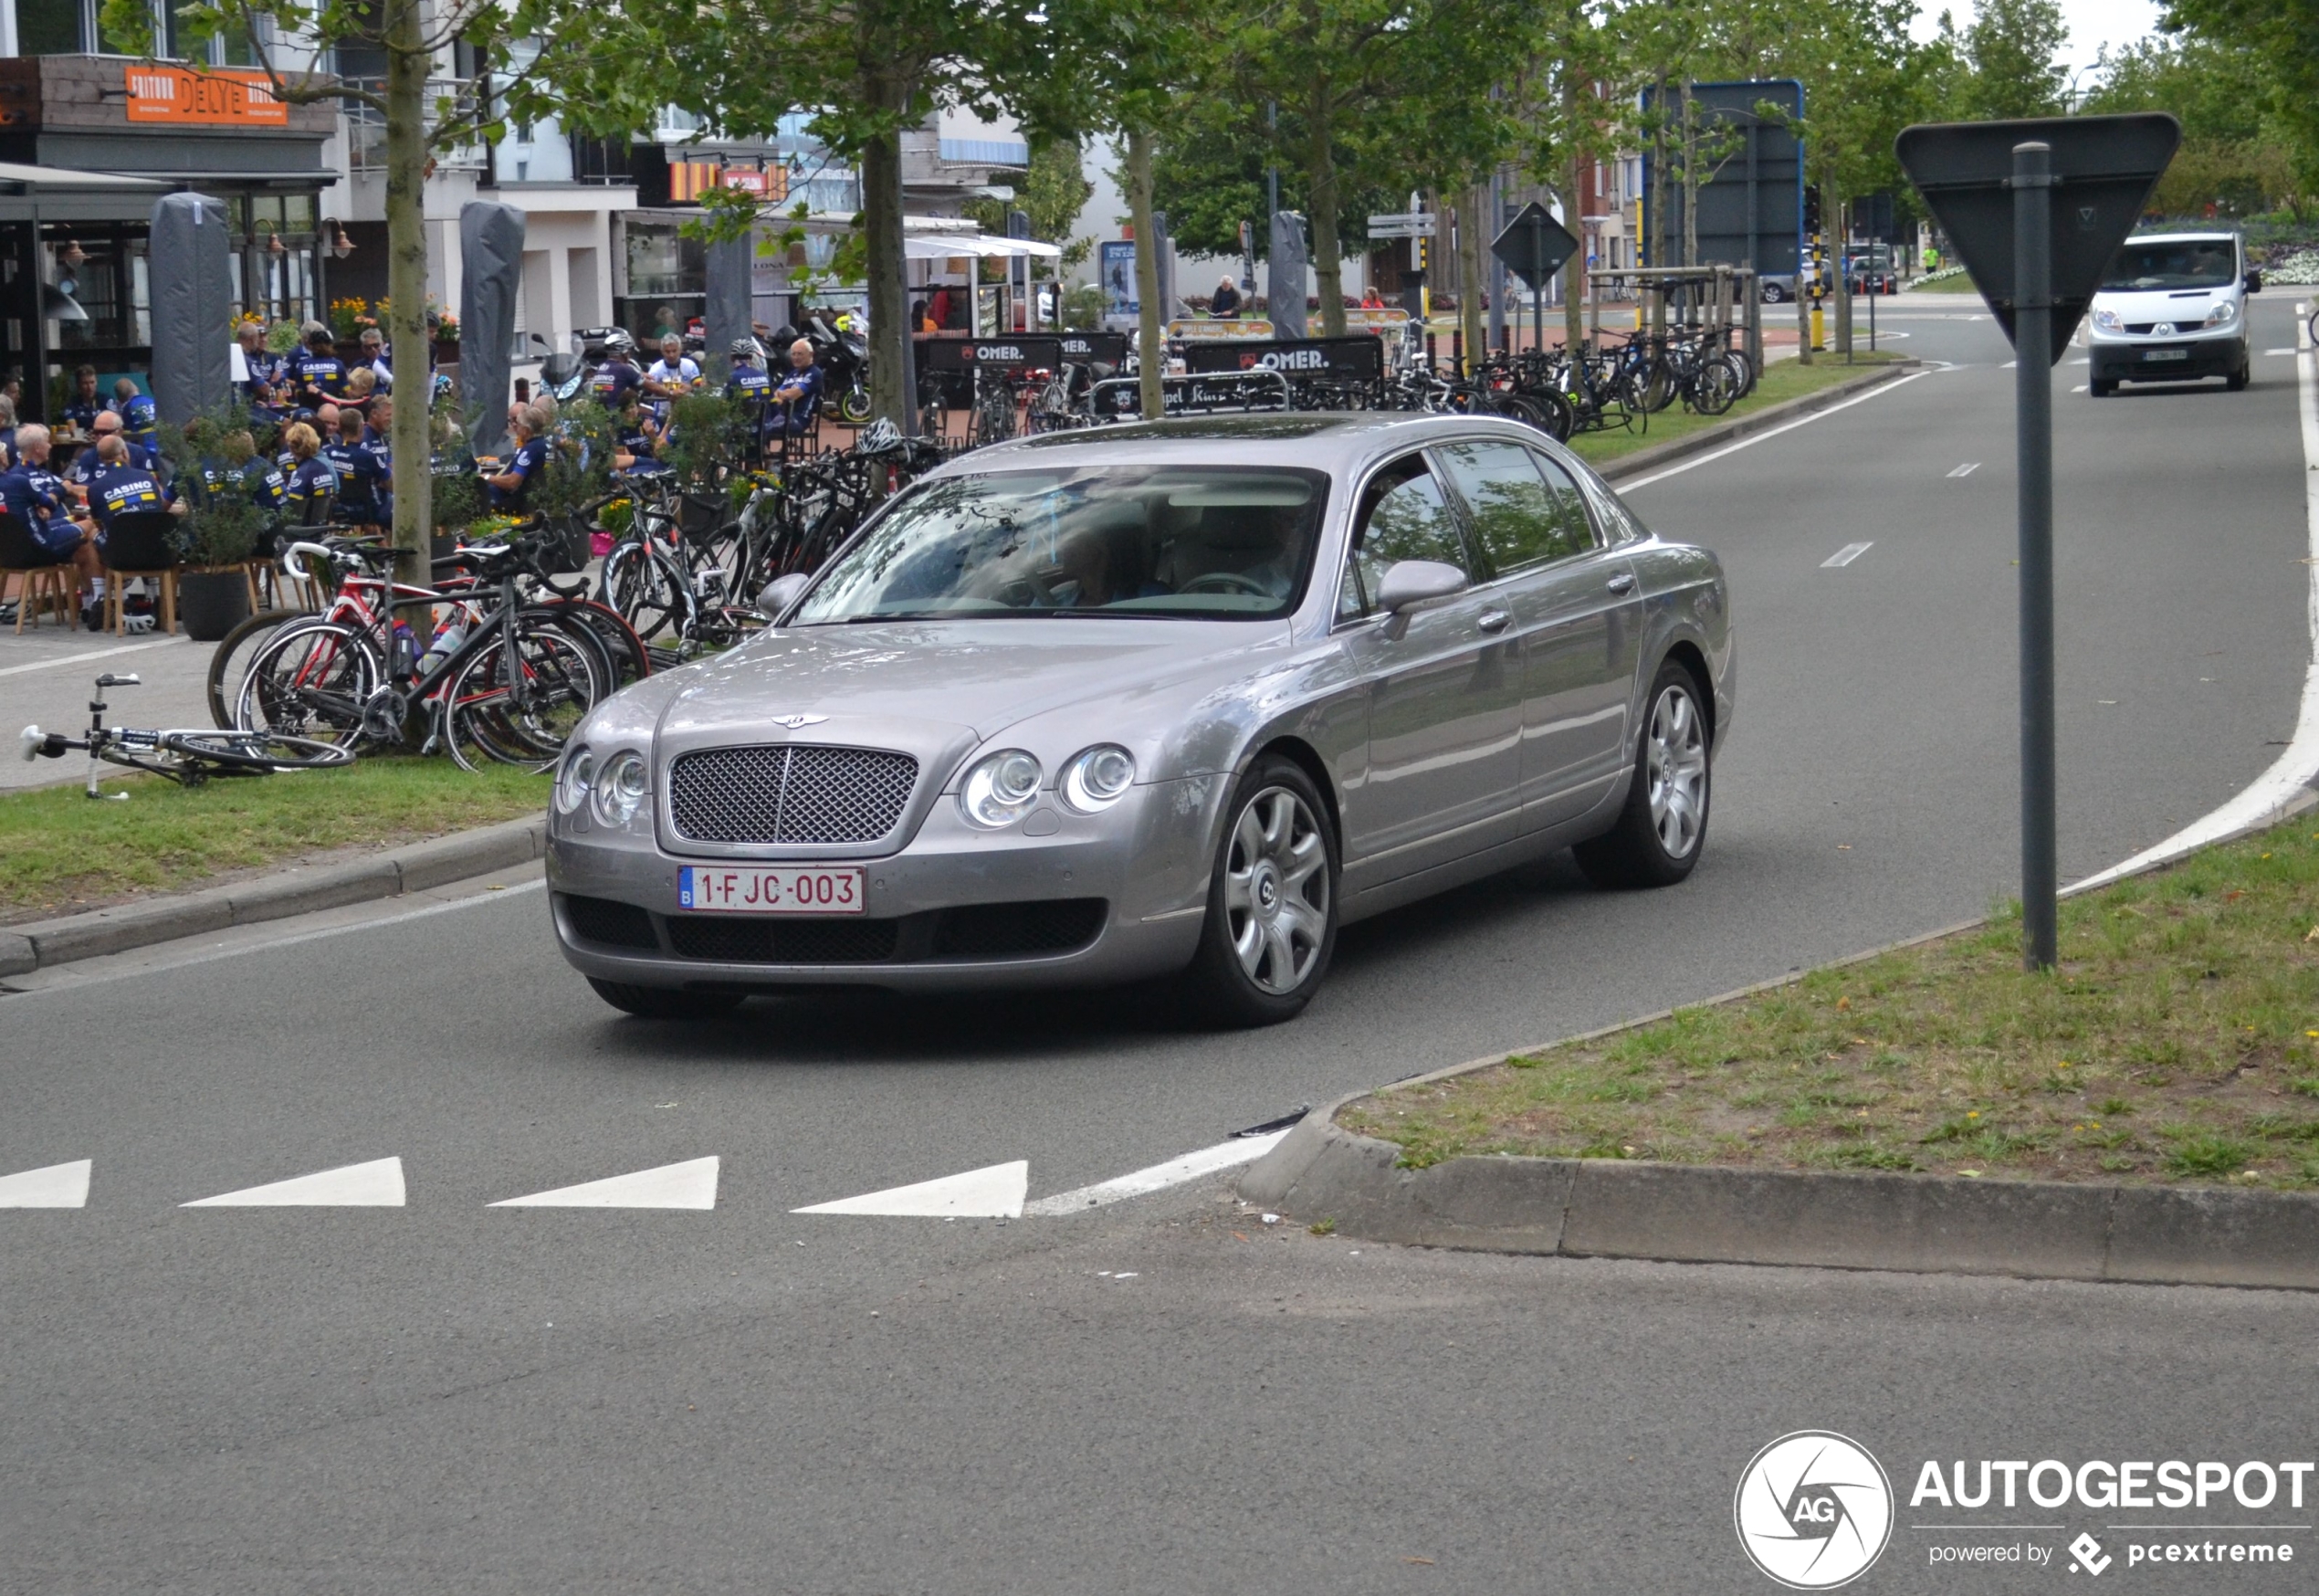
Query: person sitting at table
{"points": [[119, 484], [673, 375], [374, 359], [38, 501], [636, 440], [800, 397], [362, 474], [81, 410], [259, 385], [511, 488], [140, 418], [316, 375], [312, 482], [362, 386]]}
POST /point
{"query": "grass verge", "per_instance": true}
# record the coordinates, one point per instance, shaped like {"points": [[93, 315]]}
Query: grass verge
{"points": [[2178, 1043], [1782, 380], [65, 854]]}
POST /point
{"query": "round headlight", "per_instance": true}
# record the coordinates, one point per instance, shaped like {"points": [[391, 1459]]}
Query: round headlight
{"points": [[1000, 789], [622, 788], [579, 776], [1098, 777]]}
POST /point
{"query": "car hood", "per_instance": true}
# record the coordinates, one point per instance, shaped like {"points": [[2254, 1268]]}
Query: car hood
{"points": [[2183, 306], [976, 676]]}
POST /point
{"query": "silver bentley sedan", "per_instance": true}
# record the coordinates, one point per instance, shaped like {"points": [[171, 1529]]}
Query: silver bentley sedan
{"points": [[1176, 699]]}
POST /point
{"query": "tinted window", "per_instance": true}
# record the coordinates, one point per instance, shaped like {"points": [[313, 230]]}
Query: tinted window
{"points": [[1404, 515], [1213, 541], [1525, 510], [2184, 263]]}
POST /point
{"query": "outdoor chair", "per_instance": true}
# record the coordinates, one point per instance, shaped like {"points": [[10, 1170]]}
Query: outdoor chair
{"points": [[38, 579], [141, 542]]}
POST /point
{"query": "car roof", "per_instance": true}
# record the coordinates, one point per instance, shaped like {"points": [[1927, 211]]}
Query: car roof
{"points": [[1338, 441], [2215, 235]]}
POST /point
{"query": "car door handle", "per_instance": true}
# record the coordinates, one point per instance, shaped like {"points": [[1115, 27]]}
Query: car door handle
{"points": [[1622, 582], [1494, 620]]}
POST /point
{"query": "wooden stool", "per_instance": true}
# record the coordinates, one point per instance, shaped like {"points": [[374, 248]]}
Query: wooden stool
{"points": [[56, 585]]}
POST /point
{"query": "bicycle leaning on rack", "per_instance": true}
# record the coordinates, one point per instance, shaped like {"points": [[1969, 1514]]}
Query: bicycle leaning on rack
{"points": [[188, 757]]}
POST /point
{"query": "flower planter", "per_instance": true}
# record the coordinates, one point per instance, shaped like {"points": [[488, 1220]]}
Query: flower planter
{"points": [[212, 603]]}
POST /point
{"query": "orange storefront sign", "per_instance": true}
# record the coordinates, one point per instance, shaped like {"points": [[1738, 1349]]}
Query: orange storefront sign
{"points": [[175, 94]]}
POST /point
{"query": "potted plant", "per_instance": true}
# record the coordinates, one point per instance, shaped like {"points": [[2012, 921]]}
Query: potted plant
{"points": [[223, 522]]}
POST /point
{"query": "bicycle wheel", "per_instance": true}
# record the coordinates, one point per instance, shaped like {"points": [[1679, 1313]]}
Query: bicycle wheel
{"points": [[310, 679], [1714, 388], [230, 665], [642, 588], [625, 653], [264, 750], [520, 708]]}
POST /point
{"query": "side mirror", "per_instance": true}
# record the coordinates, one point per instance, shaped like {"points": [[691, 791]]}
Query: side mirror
{"points": [[1411, 582], [780, 592], [2254, 282]]}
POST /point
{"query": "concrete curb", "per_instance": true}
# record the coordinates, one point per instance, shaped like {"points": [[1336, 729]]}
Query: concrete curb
{"points": [[1607, 1207], [38, 944], [1643, 461]]}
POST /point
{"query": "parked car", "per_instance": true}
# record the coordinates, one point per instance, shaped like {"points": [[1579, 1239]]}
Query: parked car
{"points": [[1171, 699], [2172, 307]]}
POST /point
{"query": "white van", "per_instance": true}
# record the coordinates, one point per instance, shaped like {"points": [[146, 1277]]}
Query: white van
{"points": [[2172, 307]]}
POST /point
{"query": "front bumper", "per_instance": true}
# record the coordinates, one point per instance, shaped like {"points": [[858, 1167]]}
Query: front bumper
{"points": [[2166, 360], [1098, 900]]}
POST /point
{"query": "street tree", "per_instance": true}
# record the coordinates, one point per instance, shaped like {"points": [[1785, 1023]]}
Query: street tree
{"points": [[2285, 36], [2010, 58], [527, 53]]}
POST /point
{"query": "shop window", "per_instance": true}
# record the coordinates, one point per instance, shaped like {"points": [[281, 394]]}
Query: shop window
{"points": [[49, 28]]}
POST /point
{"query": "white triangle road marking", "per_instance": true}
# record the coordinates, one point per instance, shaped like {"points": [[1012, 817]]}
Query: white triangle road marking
{"points": [[377, 1184], [996, 1192], [57, 1186], [1224, 1155], [691, 1184]]}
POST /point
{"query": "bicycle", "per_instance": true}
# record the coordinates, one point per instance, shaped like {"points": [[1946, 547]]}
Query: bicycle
{"points": [[188, 756]]}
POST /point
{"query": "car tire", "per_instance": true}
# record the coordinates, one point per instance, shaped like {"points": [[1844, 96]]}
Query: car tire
{"points": [[1271, 926], [1773, 294], [2100, 389], [664, 1002], [2237, 381], [1661, 829]]}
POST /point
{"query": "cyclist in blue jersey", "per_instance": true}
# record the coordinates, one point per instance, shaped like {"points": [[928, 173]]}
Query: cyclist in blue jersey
{"points": [[618, 376], [511, 488], [312, 483], [38, 501], [317, 377], [81, 410]]}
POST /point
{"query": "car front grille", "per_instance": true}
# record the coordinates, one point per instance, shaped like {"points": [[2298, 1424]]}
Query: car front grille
{"points": [[975, 932], [789, 793], [615, 924]]}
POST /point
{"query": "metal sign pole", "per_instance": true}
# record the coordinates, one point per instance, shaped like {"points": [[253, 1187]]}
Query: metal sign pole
{"points": [[2033, 438]]}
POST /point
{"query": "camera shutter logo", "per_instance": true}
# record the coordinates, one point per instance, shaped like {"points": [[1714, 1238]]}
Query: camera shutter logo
{"points": [[1813, 1510]]}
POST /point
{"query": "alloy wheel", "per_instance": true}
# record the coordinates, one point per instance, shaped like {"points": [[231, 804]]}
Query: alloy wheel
{"points": [[1678, 769], [1276, 890]]}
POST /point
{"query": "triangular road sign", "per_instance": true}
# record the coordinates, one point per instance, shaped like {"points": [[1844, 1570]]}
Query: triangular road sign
{"points": [[377, 1184], [1534, 245], [2104, 169], [691, 1184], [996, 1192]]}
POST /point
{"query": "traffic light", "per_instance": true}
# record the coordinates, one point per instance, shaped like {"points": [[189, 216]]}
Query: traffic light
{"points": [[1811, 209]]}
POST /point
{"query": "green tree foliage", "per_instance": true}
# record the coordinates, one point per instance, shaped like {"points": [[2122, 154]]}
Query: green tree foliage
{"points": [[2283, 37], [1209, 173], [2009, 54], [2236, 154]]}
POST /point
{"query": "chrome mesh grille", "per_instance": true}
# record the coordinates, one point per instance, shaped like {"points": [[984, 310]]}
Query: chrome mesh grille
{"points": [[785, 793]]}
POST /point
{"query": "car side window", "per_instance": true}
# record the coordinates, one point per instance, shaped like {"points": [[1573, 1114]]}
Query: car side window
{"points": [[1403, 515], [1525, 508]]}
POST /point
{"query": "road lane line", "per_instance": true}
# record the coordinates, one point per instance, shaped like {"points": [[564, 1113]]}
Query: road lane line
{"points": [[57, 1186], [91, 654], [691, 1184], [1696, 461], [1845, 556], [2079, 389], [2285, 787], [1224, 1155], [377, 1184], [2278, 351], [1967, 469]]}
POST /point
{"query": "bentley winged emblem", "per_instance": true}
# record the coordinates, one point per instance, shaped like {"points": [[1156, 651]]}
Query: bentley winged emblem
{"points": [[795, 721]]}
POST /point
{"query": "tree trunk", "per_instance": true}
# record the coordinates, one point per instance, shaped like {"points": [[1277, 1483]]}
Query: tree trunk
{"points": [[1574, 218], [1151, 344], [1690, 181], [890, 330], [409, 439], [1472, 208], [1659, 175], [1329, 260]]}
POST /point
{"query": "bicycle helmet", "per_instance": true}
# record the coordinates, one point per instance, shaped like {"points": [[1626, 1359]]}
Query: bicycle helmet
{"points": [[878, 436], [619, 341], [746, 349]]}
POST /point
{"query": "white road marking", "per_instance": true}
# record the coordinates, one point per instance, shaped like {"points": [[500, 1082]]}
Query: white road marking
{"points": [[691, 1184], [2281, 789], [2278, 351], [57, 1186], [995, 1192], [89, 654], [1696, 461], [2083, 363], [1158, 1177], [377, 1184], [1967, 469], [2008, 365], [2079, 389], [1845, 555]]}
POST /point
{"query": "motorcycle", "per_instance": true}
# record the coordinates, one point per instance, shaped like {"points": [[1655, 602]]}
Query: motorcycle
{"points": [[844, 357]]}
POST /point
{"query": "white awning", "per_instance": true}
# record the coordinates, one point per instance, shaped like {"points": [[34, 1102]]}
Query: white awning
{"points": [[58, 177], [946, 246]]}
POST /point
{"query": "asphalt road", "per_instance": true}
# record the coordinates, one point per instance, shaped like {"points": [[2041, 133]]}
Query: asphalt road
{"points": [[442, 1397]]}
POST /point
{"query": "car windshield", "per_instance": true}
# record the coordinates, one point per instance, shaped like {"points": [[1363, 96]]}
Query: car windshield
{"points": [[2177, 263], [1207, 541]]}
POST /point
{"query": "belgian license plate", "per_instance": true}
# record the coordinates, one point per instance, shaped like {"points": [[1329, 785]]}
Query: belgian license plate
{"points": [[783, 890], [2166, 354]]}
